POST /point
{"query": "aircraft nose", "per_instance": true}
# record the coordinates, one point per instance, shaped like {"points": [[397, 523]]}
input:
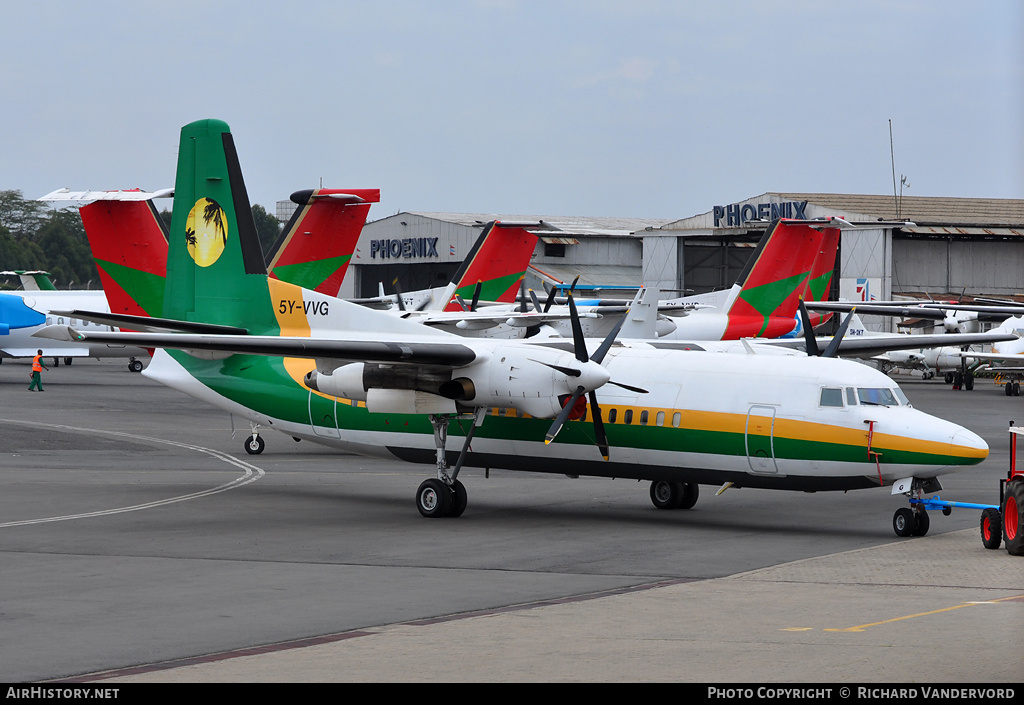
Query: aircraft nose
{"points": [[969, 446]]}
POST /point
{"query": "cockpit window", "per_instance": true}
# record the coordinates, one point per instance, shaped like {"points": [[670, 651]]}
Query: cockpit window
{"points": [[902, 397], [831, 397], [851, 396], [879, 396]]}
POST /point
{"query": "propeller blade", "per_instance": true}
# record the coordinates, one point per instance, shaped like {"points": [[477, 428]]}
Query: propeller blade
{"points": [[606, 344], [551, 297], [567, 371], [522, 296], [536, 301], [461, 303], [833, 347], [574, 282], [579, 342], [398, 293], [562, 416], [810, 342], [476, 295], [599, 435], [630, 387]]}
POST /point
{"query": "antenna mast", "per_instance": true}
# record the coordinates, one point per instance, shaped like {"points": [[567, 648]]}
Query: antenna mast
{"points": [[892, 156]]}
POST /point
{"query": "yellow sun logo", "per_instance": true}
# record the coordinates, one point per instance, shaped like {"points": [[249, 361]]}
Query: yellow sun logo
{"points": [[206, 231]]}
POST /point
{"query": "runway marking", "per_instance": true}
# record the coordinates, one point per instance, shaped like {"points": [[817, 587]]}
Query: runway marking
{"points": [[252, 473], [862, 627]]}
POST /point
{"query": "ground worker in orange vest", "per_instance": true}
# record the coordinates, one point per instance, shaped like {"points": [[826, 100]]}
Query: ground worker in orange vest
{"points": [[37, 371]]}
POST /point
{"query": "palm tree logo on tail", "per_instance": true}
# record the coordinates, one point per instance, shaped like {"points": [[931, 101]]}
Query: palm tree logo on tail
{"points": [[206, 234]]}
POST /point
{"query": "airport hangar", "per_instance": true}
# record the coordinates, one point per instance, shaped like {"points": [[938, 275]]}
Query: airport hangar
{"points": [[910, 246]]}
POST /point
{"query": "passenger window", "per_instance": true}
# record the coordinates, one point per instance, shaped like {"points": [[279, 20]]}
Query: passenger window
{"points": [[832, 397], [611, 415], [643, 417], [677, 419], [629, 416], [660, 419]]}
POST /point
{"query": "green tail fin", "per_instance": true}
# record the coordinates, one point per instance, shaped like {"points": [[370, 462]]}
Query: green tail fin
{"points": [[215, 268]]}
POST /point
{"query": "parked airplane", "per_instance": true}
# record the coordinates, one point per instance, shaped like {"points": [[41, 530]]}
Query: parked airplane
{"points": [[792, 258], [23, 313], [319, 368]]}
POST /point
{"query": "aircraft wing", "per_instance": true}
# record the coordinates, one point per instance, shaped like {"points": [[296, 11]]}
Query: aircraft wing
{"points": [[131, 195], [869, 346], [412, 353], [482, 319], [932, 311], [149, 324]]}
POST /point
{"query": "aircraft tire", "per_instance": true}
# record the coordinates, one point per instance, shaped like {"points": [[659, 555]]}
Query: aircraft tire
{"points": [[1016, 389], [433, 498], [459, 499], [1013, 498], [666, 495], [949, 378], [991, 528], [691, 490], [254, 445], [921, 523], [903, 522], [969, 381], [135, 366], [67, 360], [1009, 389]]}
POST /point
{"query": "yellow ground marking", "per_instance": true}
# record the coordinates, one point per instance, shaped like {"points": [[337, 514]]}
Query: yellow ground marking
{"points": [[862, 627]]}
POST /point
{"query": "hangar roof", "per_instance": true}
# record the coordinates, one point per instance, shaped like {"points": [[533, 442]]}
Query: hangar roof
{"points": [[923, 210]]}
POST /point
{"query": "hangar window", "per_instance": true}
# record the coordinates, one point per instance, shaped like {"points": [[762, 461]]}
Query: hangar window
{"points": [[832, 397], [554, 249]]}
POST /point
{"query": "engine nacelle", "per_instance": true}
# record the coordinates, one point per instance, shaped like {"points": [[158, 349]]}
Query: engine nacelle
{"points": [[531, 380]]}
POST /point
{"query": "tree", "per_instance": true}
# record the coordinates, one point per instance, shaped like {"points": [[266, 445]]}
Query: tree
{"points": [[267, 227]]}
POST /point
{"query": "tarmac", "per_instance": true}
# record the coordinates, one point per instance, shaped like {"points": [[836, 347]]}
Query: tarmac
{"points": [[937, 609]]}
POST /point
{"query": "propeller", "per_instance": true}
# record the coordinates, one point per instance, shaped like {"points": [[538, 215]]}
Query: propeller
{"points": [[551, 297], [580, 351], [398, 293], [811, 343]]}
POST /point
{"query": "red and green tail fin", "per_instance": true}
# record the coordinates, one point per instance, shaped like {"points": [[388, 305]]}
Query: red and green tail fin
{"points": [[129, 243], [498, 260], [316, 245], [215, 268], [773, 281]]}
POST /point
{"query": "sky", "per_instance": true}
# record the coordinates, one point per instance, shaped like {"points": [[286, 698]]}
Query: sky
{"points": [[647, 108]]}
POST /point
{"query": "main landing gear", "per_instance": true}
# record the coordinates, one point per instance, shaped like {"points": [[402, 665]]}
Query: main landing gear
{"points": [[135, 365], [444, 495], [674, 495]]}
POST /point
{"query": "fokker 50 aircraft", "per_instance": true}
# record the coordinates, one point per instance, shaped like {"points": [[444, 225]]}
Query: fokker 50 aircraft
{"points": [[322, 369]]}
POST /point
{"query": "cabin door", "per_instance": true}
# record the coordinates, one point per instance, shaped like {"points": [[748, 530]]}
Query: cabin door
{"points": [[323, 415], [760, 434]]}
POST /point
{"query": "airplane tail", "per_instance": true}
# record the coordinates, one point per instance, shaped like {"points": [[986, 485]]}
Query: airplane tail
{"points": [[498, 261], [215, 268], [129, 244], [776, 276], [316, 245]]}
